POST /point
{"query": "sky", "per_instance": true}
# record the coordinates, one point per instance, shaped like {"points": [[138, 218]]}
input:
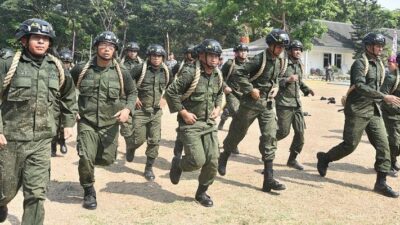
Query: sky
{"points": [[390, 4]]}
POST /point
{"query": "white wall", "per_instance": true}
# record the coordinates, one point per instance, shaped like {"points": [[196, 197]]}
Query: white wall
{"points": [[315, 58]]}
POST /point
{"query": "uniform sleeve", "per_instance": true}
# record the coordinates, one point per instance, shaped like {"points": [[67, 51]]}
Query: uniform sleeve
{"points": [[68, 104], [358, 78], [178, 87], [4, 67], [225, 70], [75, 71], [243, 73], [388, 84], [130, 91]]}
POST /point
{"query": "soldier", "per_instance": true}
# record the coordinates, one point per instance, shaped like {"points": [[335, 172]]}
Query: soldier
{"points": [[31, 83], [258, 80], [106, 98], [362, 112], [6, 53], [131, 57], [66, 58], [391, 113], [190, 59], [288, 104], [152, 78], [197, 96], [231, 86]]}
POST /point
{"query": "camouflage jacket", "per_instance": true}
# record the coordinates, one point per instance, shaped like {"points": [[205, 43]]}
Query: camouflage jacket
{"points": [[232, 81], [100, 94], [289, 93], [30, 100], [388, 87]]}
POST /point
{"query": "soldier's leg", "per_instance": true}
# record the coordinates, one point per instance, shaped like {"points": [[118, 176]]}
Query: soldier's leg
{"points": [[35, 178], [233, 107], [153, 144], [376, 131], [353, 129], [393, 130], [267, 147], [107, 151], [178, 148], [138, 136], [61, 140], [11, 164], [194, 157], [237, 131], [224, 117], [285, 118], [209, 169], [298, 140], [54, 146]]}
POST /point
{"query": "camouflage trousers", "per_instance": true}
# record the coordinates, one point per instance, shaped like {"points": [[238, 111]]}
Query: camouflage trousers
{"points": [[96, 146], [231, 107], [291, 116], [354, 127], [146, 126], [241, 123], [393, 131], [26, 164], [200, 143]]}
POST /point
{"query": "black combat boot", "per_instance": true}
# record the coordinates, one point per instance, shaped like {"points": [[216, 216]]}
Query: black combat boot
{"points": [[202, 197], [53, 148], [292, 162], [221, 123], [178, 148], [3, 213], [130, 154], [222, 161], [148, 170], [236, 151], [382, 188], [323, 163], [175, 171], [63, 146], [269, 182], [89, 198]]}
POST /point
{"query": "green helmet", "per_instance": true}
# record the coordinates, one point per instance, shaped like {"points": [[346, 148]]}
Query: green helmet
{"points": [[241, 47], [106, 36], [35, 26], [277, 36], [189, 49], [6, 53], [296, 44], [210, 46], [66, 55], [155, 49], [133, 46], [374, 39]]}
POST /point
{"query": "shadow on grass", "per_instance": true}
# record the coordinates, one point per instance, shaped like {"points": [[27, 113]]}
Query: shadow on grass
{"points": [[148, 190], [65, 192]]}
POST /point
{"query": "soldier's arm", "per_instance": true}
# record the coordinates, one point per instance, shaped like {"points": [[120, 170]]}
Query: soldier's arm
{"points": [[358, 77], [243, 73], [225, 70], [388, 84], [130, 92], [68, 106], [75, 71], [4, 67], [174, 92]]}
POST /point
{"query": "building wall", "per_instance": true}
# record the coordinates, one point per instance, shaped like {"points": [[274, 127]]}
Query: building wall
{"points": [[314, 59]]}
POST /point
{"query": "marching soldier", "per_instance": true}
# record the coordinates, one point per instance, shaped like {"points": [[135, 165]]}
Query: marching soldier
{"points": [[258, 80], [288, 104], [67, 59], [131, 57], [152, 78], [231, 86], [107, 95], [31, 84], [391, 113], [197, 96], [362, 112]]}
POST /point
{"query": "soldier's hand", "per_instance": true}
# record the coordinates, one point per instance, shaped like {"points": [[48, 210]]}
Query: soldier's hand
{"points": [[227, 90], [293, 78], [188, 117], [78, 117], [255, 93], [273, 93], [392, 100], [163, 103], [138, 104], [215, 112], [122, 116], [3, 141], [68, 132]]}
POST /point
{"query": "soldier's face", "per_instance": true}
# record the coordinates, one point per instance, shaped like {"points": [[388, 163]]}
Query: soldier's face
{"points": [[242, 54], [376, 50], [210, 59], [132, 54], [156, 60], [36, 44], [296, 53], [105, 50], [392, 66], [276, 50]]}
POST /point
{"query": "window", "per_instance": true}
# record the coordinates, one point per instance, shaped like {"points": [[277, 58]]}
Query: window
{"points": [[338, 61], [327, 59]]}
